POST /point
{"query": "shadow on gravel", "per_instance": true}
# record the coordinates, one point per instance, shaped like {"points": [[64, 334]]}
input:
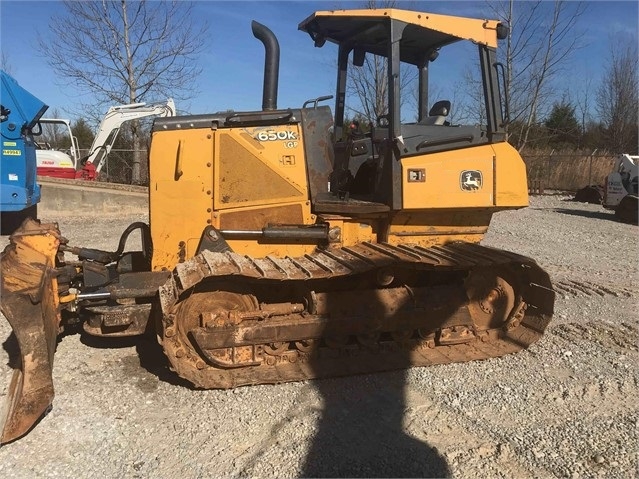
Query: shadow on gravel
{"points": [[361, 432], [153, 359], [600, 215], [361, 429], [148, 350]]}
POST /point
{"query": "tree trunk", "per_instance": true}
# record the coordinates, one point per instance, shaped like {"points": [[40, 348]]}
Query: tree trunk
{"points": [[136, 178], [132, 83]]}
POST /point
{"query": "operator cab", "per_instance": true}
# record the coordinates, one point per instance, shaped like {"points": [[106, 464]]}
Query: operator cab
{"points": [[368, 169]]}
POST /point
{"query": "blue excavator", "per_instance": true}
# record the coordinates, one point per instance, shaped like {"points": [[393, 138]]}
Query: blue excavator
{"points": [[20, 113]]}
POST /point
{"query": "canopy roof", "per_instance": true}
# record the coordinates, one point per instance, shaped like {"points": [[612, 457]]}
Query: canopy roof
{"points": [[368, 30]]}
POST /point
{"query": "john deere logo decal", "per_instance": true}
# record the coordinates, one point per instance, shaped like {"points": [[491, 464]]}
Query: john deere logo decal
{"points": [[470, 180]]}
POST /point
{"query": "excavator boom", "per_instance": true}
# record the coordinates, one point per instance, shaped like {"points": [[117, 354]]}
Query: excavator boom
{"points": [[114, 118]]}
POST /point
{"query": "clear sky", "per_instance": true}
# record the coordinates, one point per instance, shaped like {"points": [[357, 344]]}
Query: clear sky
{"points": [[233, 61]]}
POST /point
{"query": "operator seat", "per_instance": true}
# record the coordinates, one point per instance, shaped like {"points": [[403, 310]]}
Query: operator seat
{"points": [[437, 114]]}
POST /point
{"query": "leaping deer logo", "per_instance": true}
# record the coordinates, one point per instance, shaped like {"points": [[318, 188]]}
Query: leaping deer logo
{"points": [[470, 180]]}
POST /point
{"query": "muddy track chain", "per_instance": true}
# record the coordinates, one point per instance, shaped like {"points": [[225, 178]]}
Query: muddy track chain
{"points": [[525, 326]]}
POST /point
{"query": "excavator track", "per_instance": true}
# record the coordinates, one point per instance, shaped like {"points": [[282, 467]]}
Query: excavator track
{"points": [[229, 320]]}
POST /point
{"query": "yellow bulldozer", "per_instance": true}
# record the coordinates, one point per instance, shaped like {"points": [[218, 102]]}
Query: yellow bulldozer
{"points": [[281, 247]]}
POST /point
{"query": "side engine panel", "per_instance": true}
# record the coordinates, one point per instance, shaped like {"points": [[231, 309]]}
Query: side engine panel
{"points": [[237, 179], [180, 192]]}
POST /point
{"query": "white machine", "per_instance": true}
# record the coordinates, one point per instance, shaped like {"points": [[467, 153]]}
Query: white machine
{"points": [[68, 164], [57, 163], [620, 189]]}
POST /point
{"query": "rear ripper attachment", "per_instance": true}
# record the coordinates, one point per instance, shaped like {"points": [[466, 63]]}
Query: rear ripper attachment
{"points": [[230, 320]]}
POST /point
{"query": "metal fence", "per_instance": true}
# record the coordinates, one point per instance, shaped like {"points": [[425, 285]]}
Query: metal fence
{"points": [[118, 167], [567, 172]]}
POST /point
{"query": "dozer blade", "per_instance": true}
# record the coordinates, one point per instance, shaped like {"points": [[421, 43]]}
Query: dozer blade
{"points": [[30, 303]]}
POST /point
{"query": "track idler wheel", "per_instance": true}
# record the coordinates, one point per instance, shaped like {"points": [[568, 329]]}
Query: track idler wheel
{"points": [[186, 358]]}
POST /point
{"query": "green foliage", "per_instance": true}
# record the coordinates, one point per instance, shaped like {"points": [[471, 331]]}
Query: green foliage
{"points": [[536, 134], [594, 137], [562, 125], [83, 132]]}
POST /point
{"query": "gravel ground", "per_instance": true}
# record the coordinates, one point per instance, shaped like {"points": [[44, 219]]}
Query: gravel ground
{"points": [[566, 407]]}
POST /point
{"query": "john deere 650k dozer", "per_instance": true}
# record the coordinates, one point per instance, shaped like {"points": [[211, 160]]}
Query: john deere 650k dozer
{"points": [[281, 248]]}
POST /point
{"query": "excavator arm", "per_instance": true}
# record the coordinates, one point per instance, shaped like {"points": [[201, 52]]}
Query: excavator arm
{"points": [[110, 126]]}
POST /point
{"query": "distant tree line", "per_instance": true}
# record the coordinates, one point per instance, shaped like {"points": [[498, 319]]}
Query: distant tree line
{"points": [[616, 124]]}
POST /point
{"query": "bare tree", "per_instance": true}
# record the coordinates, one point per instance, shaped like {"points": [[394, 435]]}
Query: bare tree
{"points": [[584, 99], [472, 102], [126, 52], [538, 48], [5, 64], [617, 100], [369, 83], [53, 134]]}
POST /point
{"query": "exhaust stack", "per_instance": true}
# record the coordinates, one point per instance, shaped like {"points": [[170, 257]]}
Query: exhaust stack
{"points": [[271, 64]]}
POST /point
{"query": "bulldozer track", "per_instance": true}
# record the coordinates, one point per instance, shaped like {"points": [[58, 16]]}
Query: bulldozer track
{"points": [[298, 358], [334, 263]]}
